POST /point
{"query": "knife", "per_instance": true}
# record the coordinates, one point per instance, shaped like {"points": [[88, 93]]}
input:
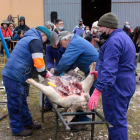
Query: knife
{"points": [[53, 85]]}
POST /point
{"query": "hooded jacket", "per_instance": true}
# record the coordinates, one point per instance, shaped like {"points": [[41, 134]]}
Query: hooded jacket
{"points": [[22, 27]]}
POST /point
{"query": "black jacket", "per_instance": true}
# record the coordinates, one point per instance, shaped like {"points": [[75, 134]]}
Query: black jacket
{"points": [[136, 45], [22, 27], [127, 30]]}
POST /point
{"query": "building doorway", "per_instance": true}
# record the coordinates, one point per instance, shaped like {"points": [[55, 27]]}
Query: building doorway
{"points": [[92, 10]]}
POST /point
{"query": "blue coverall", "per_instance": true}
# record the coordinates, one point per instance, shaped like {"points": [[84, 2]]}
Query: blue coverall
{"points": [[81, 53], [116, 80]]}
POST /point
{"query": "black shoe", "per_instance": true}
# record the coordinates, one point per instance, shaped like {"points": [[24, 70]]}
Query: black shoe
{"points": [[136, 74], [47, 108], [24, 133], [33, 126]]}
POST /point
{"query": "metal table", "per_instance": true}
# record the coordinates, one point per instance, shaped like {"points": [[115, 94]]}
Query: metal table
{"points": [[67, 125]]}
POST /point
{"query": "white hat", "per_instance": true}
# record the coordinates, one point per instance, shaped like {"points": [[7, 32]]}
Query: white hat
{"points": [[95, 24], [48, 23]]}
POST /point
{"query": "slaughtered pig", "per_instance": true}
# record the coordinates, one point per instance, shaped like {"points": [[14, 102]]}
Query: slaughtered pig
{"points": [[76, 96]]}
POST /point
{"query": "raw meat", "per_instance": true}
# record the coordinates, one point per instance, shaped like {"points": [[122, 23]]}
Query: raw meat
{"points": [[78, 90]]}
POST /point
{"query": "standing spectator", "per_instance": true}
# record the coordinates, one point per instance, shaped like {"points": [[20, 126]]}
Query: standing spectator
{"points": [[95, 37], [97, 40], [127, 29], [22, 25], [59, 26], [136, 41], [6, 34], [87, 31], [79, 29], [116, 79], [50, 25]]}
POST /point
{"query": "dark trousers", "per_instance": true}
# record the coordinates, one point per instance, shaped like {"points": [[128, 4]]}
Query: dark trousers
{"points": [[19, 114], [8, 43]]}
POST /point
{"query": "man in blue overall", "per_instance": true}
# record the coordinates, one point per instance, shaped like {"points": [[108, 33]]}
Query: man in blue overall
{"points": [[116, 80], [79, 52], [26, 57]]}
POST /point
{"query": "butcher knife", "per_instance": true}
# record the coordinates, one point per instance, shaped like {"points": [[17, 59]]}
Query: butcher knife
{"points": [[57, 87]]}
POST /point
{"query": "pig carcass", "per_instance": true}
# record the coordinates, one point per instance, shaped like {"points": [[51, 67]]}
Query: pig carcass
{"points": [[77, 95]]}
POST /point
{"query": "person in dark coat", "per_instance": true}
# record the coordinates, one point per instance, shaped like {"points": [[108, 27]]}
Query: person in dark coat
{"points": [[22, 25], [128, 30], [19, 35]]}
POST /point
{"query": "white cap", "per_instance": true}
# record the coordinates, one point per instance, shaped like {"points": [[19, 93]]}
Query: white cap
{"points": [[95, 24]]}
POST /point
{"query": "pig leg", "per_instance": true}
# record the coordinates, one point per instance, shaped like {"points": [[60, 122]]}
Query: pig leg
{"points": [[45, 89], [70, 110], [87, 83]]}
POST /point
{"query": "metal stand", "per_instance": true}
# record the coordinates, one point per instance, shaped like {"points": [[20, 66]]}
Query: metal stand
{"points": [[67, 125], [42, 111]]}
